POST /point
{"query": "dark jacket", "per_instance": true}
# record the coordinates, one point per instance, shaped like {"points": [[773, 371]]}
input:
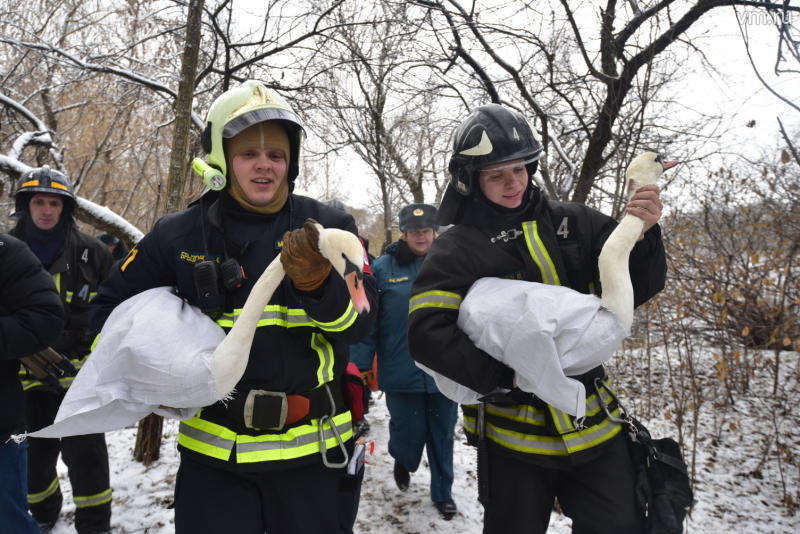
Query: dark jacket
{"points": [[81, 264], [31, 318], [395, 271], [288, 354], [488, 243]]}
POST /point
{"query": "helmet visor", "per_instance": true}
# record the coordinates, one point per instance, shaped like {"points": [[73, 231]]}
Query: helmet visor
{"points": [[242, 122], [510, 164]]}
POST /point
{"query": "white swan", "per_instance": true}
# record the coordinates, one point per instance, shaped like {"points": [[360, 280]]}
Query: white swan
{"points": [[549, 333], [645, 169], [346, 255], [158, 354]]}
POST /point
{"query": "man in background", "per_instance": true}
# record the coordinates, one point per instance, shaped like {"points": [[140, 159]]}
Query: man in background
{"points": [[78, 262]]}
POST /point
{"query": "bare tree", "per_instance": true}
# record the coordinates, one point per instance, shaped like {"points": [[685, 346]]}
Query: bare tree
{"points": [[374, 102], [528, 68]]}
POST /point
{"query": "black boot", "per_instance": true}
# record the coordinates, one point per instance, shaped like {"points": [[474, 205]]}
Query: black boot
{"points": [[401, 476], [447, 509]]}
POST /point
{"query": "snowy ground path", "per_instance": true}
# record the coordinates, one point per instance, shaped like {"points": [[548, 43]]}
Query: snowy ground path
{"points": [[729, 498]]}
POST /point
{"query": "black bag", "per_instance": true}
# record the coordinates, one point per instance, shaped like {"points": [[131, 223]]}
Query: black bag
{"points": [[663, 492]]}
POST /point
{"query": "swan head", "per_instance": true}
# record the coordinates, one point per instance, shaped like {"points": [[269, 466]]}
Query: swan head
{"points": [[645, 169], [347, 256]]}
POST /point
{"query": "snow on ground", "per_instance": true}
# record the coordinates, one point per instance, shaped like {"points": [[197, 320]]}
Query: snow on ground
{"points": [[738, 489]]}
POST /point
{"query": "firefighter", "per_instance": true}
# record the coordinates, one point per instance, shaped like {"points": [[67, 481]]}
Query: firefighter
{"points": [[529, 453], [420, 416], [31, 317], [271, 458], [45, 203]]}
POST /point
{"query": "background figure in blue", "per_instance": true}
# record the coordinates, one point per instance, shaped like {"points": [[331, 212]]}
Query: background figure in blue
{"points": [[420, 416], [31, 318], [114, 245]]}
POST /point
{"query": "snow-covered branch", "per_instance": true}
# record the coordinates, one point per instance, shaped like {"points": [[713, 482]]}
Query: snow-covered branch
{"points": [[106, 220], [98, 67]]}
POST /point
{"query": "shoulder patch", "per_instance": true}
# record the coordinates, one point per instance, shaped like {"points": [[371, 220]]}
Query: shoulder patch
{"points": [[129, 258], [195, 257]]}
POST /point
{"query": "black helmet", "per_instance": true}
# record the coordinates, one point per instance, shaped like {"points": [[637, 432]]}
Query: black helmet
{"points": [[491, 134], [43, 180]]}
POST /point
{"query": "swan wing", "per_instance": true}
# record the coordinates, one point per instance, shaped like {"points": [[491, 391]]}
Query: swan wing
{"points": [[154, 350]]}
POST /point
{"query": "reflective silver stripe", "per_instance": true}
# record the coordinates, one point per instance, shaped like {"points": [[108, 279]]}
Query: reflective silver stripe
{"points": [[539, 253], [554, 445], [435, 299], [298, 441], [342, 323], [325, 351], [523, 413], [272, 315], [561, 420], [530, 443], [275, 315], [205, 437], [52, 489], [92, 500]]}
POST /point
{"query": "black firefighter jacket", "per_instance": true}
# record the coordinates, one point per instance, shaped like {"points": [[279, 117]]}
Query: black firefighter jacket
{"points": [[491, 244], [31, 318], [83, 262], [285, 354]]}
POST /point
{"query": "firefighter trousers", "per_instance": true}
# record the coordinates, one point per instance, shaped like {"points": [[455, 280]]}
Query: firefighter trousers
{"points": [[598, 495], [86, 458], [310, 499]]}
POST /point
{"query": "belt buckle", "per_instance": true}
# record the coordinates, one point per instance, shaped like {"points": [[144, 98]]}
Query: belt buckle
{"points": [[250, 405]]}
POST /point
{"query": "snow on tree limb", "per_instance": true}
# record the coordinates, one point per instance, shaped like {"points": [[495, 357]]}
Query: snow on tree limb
{"points": [[12, 166], [104, 219], [97, 67]]}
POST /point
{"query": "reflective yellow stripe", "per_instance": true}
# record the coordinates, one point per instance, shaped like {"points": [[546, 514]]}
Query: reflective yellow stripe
{"points": [[57, 280], [434, 299], [561, 420], [52, 489], [324, 349], [549, 445], [539, 253], [277, 315], [66, 382], [68, 297], [594, 435], [206, 437], [92, 500], [56, 185], [94, 343], [523, 413], [294, 443], [342, 323], [217, 441], [30, 183]]}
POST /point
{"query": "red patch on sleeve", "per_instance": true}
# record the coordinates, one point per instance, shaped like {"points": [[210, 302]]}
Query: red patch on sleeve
{"points": [[366, 269]]}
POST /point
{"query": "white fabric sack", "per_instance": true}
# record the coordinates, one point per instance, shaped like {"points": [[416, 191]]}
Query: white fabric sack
{"points": [[545, 333], [154, 355]]}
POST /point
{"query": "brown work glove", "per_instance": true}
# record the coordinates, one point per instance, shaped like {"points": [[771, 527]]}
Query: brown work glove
{"points": [[301, 259]]}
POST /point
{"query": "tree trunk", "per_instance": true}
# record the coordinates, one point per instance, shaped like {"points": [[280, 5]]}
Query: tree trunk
{"points": [[148, 437]]}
